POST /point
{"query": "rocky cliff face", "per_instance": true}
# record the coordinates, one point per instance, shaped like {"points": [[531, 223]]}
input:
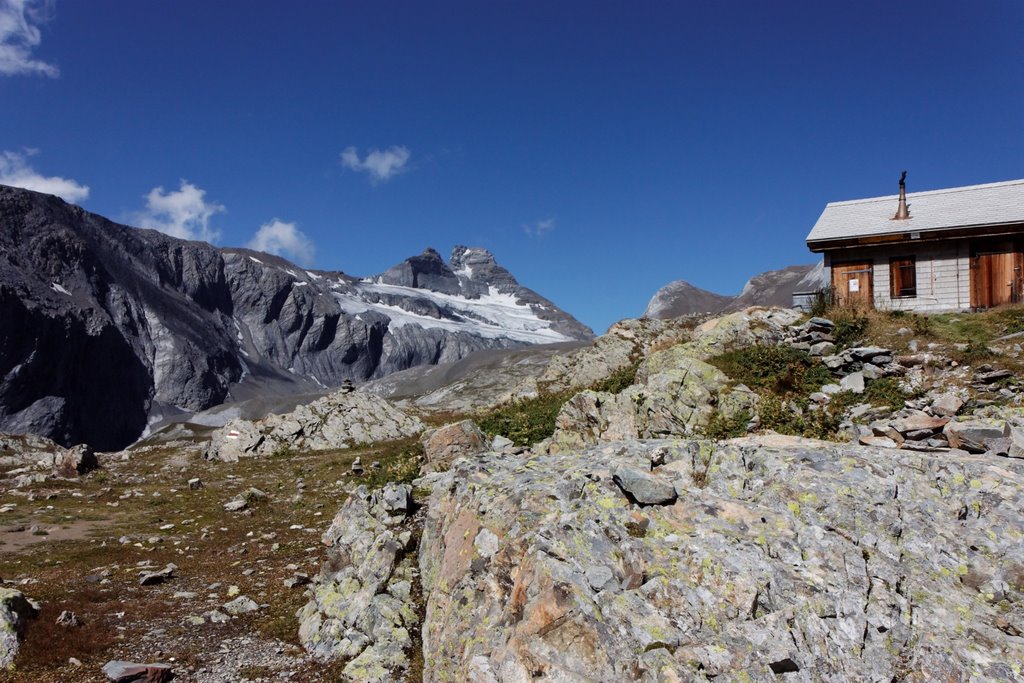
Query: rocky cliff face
{"points": [[771, 288], [106, 328]]}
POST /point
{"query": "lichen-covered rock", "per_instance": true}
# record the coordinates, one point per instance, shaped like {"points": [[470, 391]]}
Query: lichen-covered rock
{"points": [[361, 607], [15, 609], [459, 440], [334, 421], [744, 328], [625, 342], [781, 556]]}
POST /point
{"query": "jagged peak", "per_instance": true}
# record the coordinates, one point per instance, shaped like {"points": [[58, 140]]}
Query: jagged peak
{"points": [[463, 255]]}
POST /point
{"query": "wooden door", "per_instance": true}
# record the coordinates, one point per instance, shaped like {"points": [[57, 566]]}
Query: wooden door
{"points": [[995, 276], [851, 283]]}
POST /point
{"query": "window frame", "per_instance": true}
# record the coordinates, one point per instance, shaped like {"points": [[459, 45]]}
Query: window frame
{"points": [[901, 264]]}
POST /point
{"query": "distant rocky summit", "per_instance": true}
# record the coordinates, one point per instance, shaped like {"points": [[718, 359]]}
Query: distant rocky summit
{"points": [[771, 288], [108, 328]]}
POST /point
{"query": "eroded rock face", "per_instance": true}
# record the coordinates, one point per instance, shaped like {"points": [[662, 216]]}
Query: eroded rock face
{"points": [[836, 562], [339, 420], [361, 607]]}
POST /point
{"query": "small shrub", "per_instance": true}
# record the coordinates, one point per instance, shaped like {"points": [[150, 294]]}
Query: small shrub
{"points": [[700, 465], [921, 324], [283, 450], [636, 529], [779, 369], [1011, 320], [721, 427], [850, 328], [885, 391], [619, 380], [823, 303], [976, 352]]}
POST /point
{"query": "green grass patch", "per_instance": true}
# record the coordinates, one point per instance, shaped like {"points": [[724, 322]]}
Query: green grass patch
{"points": [[525, 421], [777, 369], [726, 427], [619, 380], [885, 391]]}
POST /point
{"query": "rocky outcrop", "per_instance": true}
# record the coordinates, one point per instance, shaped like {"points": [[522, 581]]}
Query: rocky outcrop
{"points": [[107, 327], [362, 607], [778, 556], [621, 347], [27, 457], [339, 420], [676, 391], [15, 609], [483, 378]]}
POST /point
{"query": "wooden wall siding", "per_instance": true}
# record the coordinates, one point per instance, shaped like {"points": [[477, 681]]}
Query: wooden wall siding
{"points": [[943, 275]]}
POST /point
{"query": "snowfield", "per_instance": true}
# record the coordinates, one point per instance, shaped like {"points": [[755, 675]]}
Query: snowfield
{"points": [[491, 316]]}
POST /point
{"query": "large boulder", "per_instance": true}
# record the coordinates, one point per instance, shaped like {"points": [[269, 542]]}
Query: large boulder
{"points": [[459, 440], [780, 556], [619, 348]]}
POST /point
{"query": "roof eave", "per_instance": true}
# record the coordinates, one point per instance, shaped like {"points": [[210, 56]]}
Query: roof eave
{"points": [[952, 232]]}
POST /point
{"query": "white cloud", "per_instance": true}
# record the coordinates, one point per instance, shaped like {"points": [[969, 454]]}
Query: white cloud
{"points": [[184, 213], [380, 165], [15, 171], [283, 239], [19, 34], [539, 228]]}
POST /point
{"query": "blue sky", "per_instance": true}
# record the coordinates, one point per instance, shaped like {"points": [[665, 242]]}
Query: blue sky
{"points": [[599, 149]]}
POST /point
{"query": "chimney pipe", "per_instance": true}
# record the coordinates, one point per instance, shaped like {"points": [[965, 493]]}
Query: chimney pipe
{"points": [[902, 213]]}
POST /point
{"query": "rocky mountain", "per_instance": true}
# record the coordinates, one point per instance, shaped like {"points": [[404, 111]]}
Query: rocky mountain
{"points": [[681, 298], [776, 287], [771, 288], [107, 328]]}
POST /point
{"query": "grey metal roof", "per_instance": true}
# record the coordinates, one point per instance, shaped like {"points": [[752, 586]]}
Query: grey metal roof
{"points": [[956, 207]]}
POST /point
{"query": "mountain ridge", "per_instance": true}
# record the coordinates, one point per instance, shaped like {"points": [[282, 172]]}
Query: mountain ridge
{"points": [[770, 288], [112, 327]]}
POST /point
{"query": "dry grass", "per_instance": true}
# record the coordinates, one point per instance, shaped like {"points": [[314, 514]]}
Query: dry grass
{"points": [[125, 620]]}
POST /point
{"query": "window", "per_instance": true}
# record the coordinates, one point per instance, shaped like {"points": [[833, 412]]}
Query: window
{"points": [[903, 277]]}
